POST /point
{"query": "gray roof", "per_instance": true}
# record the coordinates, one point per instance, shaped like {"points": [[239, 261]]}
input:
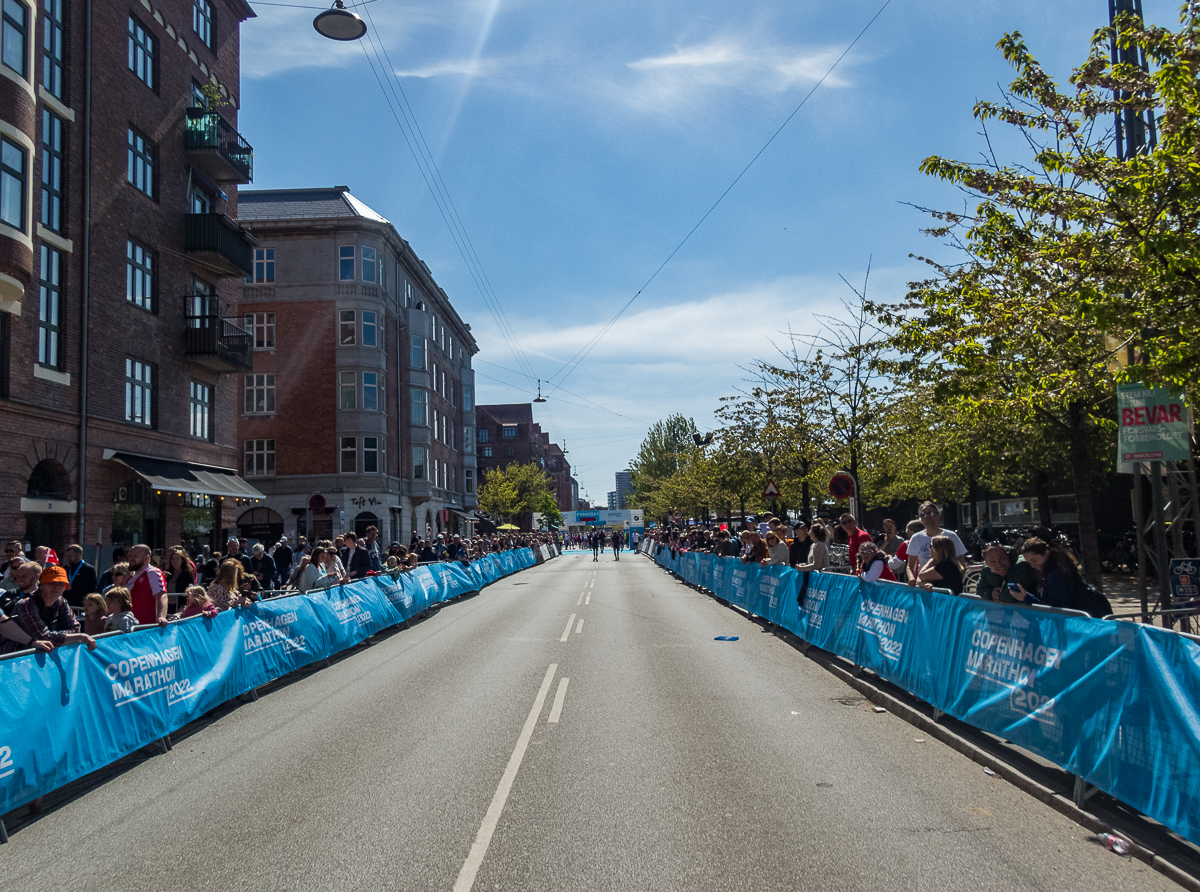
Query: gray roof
{"points": [[302, 204]]}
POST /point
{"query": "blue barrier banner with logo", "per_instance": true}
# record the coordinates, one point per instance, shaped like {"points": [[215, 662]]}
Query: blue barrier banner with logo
{"points": [[1116, 703], [72, 711]]}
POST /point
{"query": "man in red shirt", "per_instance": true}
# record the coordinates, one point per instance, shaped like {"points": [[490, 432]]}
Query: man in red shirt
{"points": [[854, 536], [147, 587]]}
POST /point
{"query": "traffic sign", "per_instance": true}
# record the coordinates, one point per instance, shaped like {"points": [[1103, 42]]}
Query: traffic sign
{"points": [[1185, 586], [677, 515], [842, 486], [771, 491], [316, 503]]}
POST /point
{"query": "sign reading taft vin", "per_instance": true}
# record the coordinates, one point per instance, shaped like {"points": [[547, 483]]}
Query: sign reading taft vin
{"points": [[1153, 425]]}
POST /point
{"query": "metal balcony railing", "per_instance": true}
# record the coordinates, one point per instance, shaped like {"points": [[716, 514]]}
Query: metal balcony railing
{"points": [[216, 148], [224, 245], [218, 343]]}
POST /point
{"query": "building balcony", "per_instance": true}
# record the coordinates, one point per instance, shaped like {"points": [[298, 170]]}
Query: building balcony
{"points": [[220, 244], [216, 149], [218, 344]]}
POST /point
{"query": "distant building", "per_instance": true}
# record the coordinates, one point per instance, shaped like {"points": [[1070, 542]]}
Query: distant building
{"points": [[361, 389], [507, 433], [612, 501], [624, 488]]}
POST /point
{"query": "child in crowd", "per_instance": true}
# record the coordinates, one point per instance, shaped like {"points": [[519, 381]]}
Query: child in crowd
{"points": [[95, 614], [198, 603], [120, 610]]}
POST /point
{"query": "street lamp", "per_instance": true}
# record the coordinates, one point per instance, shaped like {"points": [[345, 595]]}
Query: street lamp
{"points": [[540, 398], [339, 23]]}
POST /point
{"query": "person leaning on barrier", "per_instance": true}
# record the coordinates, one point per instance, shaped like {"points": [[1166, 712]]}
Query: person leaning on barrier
{"points": [[120, 610], [942, 570], [819, 553], [1060, 582], [777, 551], [13, 638], [229, 588], [1000, 570], [801, 544], [873, 564], [47, 616]]}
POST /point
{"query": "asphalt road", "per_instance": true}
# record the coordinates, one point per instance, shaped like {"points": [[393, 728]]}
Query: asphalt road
{"points": [[650, 757]]}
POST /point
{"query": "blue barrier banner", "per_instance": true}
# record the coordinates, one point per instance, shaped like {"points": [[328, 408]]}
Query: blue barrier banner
{"points": [[1116, 703], [72, 711]]}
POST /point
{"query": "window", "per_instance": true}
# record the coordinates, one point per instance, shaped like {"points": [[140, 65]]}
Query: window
{"points": [[483, 435], [510, 451], [435, 424], [485, 451], [202, 21], [262, 327], [368, 264], [453, 393], [371, 461], [468, 480], [435, 472], [408, 295], [259, 393], [260, 458], [510, 432], [346, 325], [264, 266], [201, 199], [347, 390], [450, 347], [453, 439], [468, 398], [139, 275], [201, 407], [141, 52], [433, 376], [418, 352], [468, 440], [371, 391], [443, 388], [346, 263], [349, 455], [443, 429], [139, 392], [418, 463], [200, 306], [140, 167], [420, 407], [15, 36], [12, 184], [52, 170], [53, 58], [50, 314], [199, 100], [370, 329]]}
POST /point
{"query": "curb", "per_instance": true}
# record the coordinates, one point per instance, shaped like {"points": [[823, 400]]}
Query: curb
{"points": [[906, 712]]}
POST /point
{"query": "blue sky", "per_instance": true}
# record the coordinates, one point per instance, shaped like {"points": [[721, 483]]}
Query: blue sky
{"points": [[581, 142]]}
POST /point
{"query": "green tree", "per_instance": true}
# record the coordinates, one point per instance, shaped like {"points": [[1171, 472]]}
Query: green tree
{"points": [[659, 456], [514, 491], [548, 507]]}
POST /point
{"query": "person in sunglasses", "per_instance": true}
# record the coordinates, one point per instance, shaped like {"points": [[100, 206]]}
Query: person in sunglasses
{"points": [[919, 546]]}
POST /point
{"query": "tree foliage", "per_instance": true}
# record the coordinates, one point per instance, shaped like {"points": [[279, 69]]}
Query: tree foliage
{"points": [[514, 490]]}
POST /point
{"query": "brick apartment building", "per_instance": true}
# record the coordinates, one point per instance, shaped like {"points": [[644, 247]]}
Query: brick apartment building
{"points": [[119, 248], [362, 391], [507, 433]]}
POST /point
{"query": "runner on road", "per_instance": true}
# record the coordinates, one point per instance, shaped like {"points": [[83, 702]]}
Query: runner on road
{"points": [[616, 542], [595, 543]]}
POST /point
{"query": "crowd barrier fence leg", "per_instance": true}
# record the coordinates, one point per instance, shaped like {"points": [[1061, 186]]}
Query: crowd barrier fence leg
{"points": [[1083, 791], [165, 743], [937, 714], [3, 833]]}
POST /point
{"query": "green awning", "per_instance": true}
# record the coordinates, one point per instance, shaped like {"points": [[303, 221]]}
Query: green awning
{"points": [[169, 475]]}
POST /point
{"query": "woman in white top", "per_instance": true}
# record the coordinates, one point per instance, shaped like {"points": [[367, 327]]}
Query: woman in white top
{"points": [[315, 575], [818, 556], [777, 551]]}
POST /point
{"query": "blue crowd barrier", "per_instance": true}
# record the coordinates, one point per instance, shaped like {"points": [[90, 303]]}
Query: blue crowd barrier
{"points": [[72, 711], [1115, 703]]}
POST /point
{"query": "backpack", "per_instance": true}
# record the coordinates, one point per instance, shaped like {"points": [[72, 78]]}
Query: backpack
{"points": [[1090, 600]]}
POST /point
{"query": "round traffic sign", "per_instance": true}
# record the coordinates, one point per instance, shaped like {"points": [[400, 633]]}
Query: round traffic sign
{"points": [[677, 515], [316, 503], [841, 486]]}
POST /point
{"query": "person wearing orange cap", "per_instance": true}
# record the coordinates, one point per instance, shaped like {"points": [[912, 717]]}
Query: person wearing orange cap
{"points": [[47, 616]]}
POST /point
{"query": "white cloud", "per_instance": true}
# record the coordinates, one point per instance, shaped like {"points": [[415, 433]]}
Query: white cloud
{"points": [[466, 67], [691, 74]]}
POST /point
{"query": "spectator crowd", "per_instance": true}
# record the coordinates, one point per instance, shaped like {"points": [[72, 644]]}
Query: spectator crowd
{"points": [[48, 603], [1038, 570]]}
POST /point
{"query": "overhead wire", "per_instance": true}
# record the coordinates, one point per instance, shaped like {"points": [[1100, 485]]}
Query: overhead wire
{"points": [[573, 363]]}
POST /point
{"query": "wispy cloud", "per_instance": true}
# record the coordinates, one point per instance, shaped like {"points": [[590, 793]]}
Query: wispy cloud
{"points": [[692, 74], [480, 67]]}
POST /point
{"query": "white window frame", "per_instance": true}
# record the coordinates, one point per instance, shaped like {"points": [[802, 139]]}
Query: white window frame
{"points": [[370, 256], [261, 327], [254, 387], [372, 392], [259, 458], [372, 326], [200, 410], [347, 391], [346, 254]]}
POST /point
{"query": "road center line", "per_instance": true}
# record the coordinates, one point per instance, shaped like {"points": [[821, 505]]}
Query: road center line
{"points": [[567, 631], [559, 696], [466, 876], [579, 600], [579, 628], [589, 598]]}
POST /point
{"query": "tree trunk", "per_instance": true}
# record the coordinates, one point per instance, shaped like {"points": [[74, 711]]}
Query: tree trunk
{"points": [[1042, 485], [1081, 471], [805, 499], [973, 496]]}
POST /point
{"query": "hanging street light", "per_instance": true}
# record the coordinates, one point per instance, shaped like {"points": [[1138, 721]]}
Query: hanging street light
{"points": [[540, 398], [339, 23]]}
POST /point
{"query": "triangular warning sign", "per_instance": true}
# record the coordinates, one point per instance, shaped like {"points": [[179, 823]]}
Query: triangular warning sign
{"points": [[771, 491]]}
